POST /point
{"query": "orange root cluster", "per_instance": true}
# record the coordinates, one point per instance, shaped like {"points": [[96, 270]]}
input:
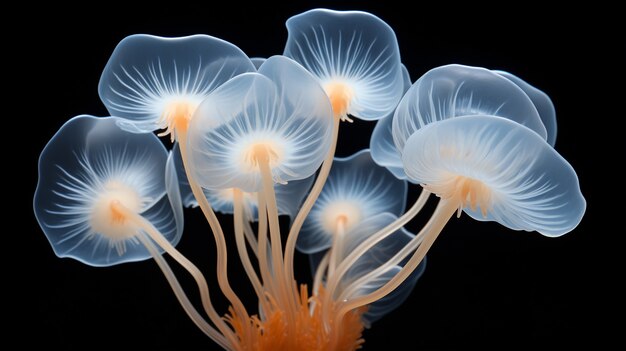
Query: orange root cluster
{"points": [[307, 332]]}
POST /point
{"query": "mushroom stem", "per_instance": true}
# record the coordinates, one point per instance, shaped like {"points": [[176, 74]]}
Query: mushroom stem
{"points": [[294, 231], [444, 211], [348, 261], [264, 266], [262, 156], [216, 229], [336, 248], [154, 234], [243, 252], [249, 233], [319, 273], [191, 311]]}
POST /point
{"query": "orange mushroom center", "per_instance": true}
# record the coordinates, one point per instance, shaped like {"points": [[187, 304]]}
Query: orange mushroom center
{"points": [[266, 150], [106, 219], [466, 191], [176, 117], [340, 95]]}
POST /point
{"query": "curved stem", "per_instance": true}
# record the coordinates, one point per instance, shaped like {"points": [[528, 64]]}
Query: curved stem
{"points": [[155, 235], [241, 248], [346, 263], [193, 314], [336, 248], [264, 267], [263, 159], [443, 213], [249, 233], [216, 228], [393, 261], [317, 281], [319, 273], [292, 238]]}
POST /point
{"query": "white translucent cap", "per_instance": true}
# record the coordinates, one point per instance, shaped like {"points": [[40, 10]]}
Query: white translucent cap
{"points": [[511, 174], [356, 189], [454, 91], [88, 164], [542, 102], [147, 75], [282, 108], [289, 196], [376, 257], [353, 50], [384, 151]]}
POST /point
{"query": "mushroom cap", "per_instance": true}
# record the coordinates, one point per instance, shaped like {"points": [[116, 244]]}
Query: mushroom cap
{"points": [[282, 107], [456, 90], [354, 48], [146, 73], [542, 102], [531, 186], [384, 151], [91, 160]]}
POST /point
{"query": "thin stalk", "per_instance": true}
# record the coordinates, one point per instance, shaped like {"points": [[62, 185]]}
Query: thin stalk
{"points": [[263, 160], [216, 229], [443, 213], [346, 263], [250, 238], [337, 248], [243, 252], [292, 238], [155, 235], [264, 265], [191, 311]]}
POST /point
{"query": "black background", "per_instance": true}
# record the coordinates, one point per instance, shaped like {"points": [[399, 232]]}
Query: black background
{"points": [[485, 286]]}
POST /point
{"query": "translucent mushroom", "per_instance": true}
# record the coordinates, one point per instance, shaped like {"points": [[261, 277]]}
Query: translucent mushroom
{"points": [[542, 102], [356, 189], [87, 167], [497, 170], [493, 169], [382, 148], [455, 90], [107, 196], [355, 57], [280, 111], [157, 83]]}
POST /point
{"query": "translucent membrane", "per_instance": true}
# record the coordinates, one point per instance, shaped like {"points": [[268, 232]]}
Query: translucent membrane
{"points": [[382, 148], [148, 79], [89, 163], [353, 53], [522, 182], [455, 90], [542, 102], [282, 108], [356, 189]]}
